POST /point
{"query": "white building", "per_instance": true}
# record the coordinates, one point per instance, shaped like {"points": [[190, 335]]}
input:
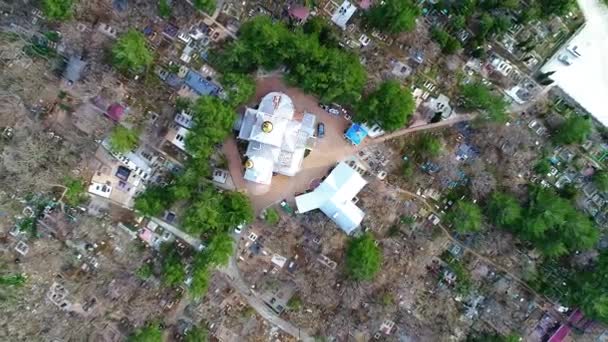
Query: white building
{"points": [[343, 14], [334, 197], [585, 78], [277, 142]]}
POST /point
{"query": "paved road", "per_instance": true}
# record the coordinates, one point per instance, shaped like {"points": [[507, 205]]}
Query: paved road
{"points": [[232, 273]]}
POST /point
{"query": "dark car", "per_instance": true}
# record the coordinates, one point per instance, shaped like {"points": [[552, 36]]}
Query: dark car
{"points": [[320, 130]]}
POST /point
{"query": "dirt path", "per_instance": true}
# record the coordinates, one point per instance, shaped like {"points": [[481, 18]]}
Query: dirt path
{"points": [[404, 131]]}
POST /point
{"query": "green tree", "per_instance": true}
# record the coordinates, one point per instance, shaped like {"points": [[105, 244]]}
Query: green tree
{"points": [[213, 120], [543, 167], [574, 130], [196, 334], [219, 249], [389, 106], [555, 7], [149, 333], [236, 209], [144, 271], [477, 96], [504, 210], [363, 258], [239, 88], [75, 192], [164, 8], [59, 10], [393, 16], [448, 44], [272, 216], [207, 6], [324, 32], [200, 281], [465, 217], [407, 169], [173, 270], [153, 201], [215, 213], [131, 53], [427, 146], [600, 179], [123, 139]]}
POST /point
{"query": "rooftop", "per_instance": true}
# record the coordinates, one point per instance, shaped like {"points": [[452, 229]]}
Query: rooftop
{"points": [[277, 142], [334, 198], [200, 84], [343, 14]]}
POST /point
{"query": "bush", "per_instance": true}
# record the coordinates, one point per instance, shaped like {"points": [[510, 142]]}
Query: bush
{"points": [[272, 216], [363, 258], [123, 139]]}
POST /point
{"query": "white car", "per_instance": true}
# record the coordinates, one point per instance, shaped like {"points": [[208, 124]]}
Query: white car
{"points": [[239, 228], [334, 111], [564, 58]]}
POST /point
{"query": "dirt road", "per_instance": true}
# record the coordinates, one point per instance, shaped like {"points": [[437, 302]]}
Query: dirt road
{"points": [[232, 273]]}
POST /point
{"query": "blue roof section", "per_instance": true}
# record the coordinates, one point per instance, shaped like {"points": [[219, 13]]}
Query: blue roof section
{"points": [[200, 85], [356, 134]]}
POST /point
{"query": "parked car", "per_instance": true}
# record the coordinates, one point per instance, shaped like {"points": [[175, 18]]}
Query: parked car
{"points": [[239, 228], [565, 59], [333, 111], [320, 130]]}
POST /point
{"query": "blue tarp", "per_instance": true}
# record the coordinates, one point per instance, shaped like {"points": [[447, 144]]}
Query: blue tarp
{"points": [[356, 134]]}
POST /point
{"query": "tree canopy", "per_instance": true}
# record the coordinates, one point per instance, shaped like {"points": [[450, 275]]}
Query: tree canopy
{"points": [[600, 179], [554, 226], [313, 63], [477, 96], [216, 213], [123, 139], [207, 6], [448, 43], [504, 210], [465, 217], [154, 200], [148, 333], [196, 334], [75, 191], [173, 270], [390, 106], [164, 8], [574, 130], [57, 9], [131, 53], [427, 146], [363, 258], [393, 16], [239, 88], [213, 120]]}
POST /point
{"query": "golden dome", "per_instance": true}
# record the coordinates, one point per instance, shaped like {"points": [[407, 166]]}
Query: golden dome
{"points": [[267, 127], [249, 163]]}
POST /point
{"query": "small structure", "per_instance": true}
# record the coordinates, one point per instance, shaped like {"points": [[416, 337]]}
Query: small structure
{"points": [[74, 69], [343, 14], [277, 142], [356, 133], [400, 70], [277, 299], [440, 104], [115, 112], [334, 197], [196, 85], [299, 14]]}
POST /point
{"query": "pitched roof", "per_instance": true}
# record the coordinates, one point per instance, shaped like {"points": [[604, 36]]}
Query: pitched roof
{"points": [[116, 112], [343, 14], [299, 12], [334, 198], [200, 85]]}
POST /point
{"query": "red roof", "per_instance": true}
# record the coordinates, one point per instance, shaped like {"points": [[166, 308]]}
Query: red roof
{"points": [[116, 112], [365, 4], [564, 329], [299, 12]]}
